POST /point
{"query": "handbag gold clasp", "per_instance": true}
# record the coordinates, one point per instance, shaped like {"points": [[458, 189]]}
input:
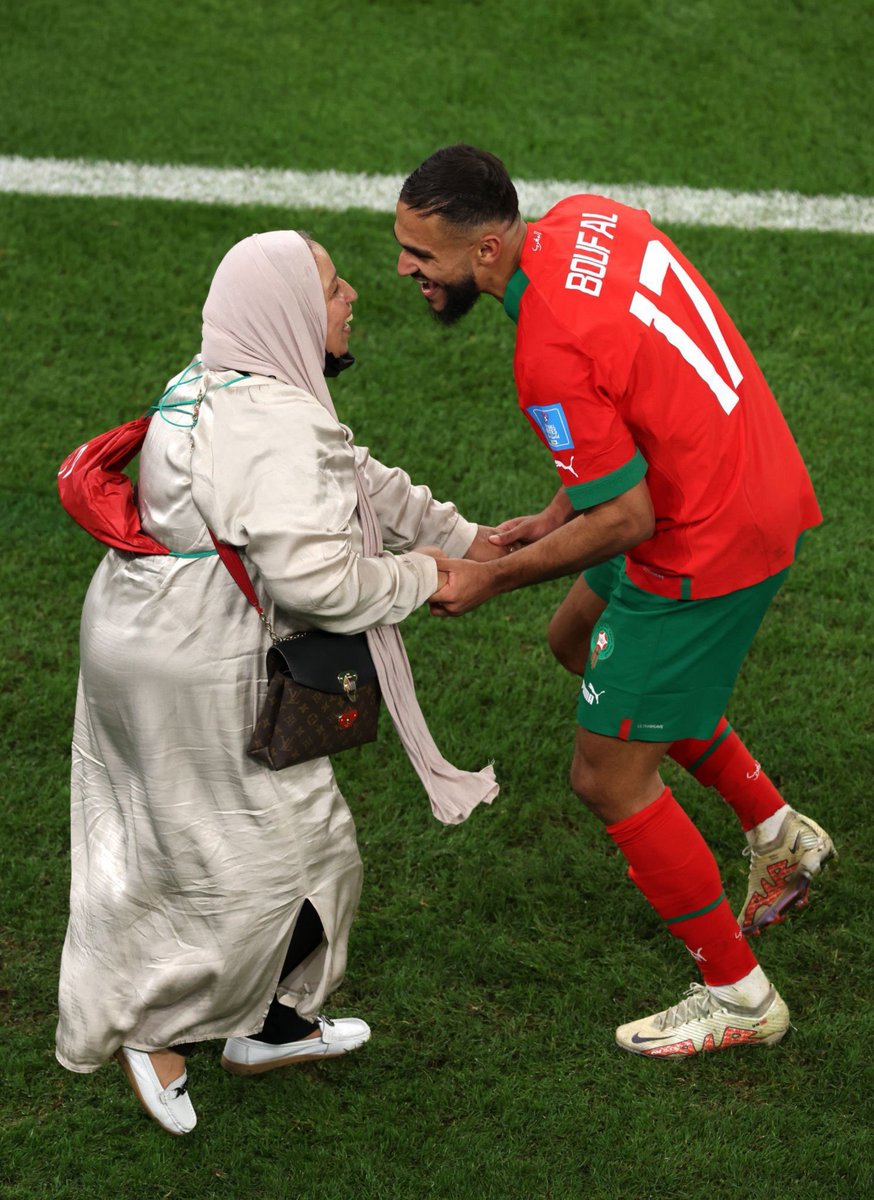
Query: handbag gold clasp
{"points": [[349, 683]]}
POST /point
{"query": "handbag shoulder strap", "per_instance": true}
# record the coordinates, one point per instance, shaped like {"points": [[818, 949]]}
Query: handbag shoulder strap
{"points": [[230, 556]]}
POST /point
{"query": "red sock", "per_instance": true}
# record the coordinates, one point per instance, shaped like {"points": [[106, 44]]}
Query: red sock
{"points": [[672, 865], [723, 762]]}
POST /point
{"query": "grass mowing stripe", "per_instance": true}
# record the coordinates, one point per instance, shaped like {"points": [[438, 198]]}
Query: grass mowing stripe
{"points": [[338, 191]]}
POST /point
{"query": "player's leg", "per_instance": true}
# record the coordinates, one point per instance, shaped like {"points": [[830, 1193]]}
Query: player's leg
{"points": [[723, 762], [663, 670], [786, 849], [670, 862], [570, 629]]}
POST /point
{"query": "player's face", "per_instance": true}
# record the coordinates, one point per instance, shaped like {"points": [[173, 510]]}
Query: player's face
{"points": [[440, 261], [339, 297]]}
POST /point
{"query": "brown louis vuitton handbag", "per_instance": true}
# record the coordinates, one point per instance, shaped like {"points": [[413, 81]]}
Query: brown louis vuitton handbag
{"points": [[322, 689]]}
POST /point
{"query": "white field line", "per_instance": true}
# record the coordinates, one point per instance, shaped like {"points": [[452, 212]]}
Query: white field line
{"points": [[378, 193]]}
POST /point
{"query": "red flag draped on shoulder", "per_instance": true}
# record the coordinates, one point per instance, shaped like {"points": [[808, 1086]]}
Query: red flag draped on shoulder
{"points": [[99, 496]]}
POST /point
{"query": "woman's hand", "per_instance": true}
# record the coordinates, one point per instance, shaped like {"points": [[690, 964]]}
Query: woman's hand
{"points": [[482, 548]]}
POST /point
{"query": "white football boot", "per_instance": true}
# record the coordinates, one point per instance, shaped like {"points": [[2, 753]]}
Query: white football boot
{"points": [[701, 1023], [781, 870]]}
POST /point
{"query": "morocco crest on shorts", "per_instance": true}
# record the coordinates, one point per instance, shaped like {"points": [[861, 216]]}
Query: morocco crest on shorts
{"points": [[602, 643]]}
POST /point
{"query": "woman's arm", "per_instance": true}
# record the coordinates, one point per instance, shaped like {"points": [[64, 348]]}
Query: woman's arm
{"points": [[408, 514], [273, 474]]}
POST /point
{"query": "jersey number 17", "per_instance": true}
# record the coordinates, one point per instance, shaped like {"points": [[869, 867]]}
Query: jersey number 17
{"points": [[653, 270]]}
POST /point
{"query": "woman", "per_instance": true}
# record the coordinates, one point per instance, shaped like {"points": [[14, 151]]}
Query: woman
{"points": [[210, 896]]}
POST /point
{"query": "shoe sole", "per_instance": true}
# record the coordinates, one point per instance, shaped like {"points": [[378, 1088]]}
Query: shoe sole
{"points": [[132, 1080], [238, 1068], [767, 1042], [796, 895]]}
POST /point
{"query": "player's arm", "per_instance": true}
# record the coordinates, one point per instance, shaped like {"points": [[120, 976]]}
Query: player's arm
{"points": [[600, 532]]}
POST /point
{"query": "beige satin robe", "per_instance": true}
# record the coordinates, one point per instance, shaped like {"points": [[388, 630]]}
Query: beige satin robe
{"points": [[190, 861]]}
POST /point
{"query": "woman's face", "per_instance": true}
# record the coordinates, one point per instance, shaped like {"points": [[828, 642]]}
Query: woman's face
{"points": [[339, 296]]}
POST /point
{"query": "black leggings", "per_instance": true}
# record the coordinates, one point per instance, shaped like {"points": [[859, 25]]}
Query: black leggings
{"points": [[282, 1023]]}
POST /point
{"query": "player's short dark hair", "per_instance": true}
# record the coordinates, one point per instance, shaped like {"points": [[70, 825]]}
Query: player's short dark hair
{"points": [[465, 186]]}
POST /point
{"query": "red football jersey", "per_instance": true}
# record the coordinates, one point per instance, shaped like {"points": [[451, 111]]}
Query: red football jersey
{"points": [[628, 367]]}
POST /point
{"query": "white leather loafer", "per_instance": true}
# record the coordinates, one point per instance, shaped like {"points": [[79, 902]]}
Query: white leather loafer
{"points": [[248, 1056], [170, 1106]]}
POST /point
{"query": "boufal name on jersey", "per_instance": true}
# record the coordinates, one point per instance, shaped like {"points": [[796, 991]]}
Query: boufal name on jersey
{"points": [[591, 254]]}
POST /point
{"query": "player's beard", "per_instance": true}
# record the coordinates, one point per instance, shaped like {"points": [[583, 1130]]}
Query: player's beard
{"points": [[459, 299]]}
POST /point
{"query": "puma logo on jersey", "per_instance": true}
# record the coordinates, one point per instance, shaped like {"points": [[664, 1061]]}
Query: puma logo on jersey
{"points": [[567, 466]]}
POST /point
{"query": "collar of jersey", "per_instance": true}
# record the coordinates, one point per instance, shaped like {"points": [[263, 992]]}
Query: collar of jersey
{"points": [[516, 285]]}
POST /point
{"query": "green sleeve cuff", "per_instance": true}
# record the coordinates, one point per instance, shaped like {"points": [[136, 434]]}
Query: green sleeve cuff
{"points": [[608, 487]]}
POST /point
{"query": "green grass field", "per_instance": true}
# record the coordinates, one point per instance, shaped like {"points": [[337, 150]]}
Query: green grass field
{"points": [[493, 960]]}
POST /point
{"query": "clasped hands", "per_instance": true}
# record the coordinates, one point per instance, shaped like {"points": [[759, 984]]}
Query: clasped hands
{"points": [[466, 583]]}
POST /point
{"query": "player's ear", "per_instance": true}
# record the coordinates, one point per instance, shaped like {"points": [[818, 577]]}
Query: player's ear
{"points": [[490, 245]]}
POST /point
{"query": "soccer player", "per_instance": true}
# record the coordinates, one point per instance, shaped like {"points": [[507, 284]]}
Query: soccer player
{"points": [[683, 499]]}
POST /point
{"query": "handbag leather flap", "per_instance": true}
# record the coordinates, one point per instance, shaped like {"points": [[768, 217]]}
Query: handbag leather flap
{"points": [[321, 659]]}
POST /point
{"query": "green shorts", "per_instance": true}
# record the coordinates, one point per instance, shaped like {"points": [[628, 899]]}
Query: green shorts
{"points": [[659, 670]]}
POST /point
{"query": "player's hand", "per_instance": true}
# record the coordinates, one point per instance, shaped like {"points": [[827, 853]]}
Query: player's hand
{"points": [[522, 531], [468, 586]]}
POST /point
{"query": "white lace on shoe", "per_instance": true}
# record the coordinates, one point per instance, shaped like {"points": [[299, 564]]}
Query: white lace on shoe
{"points": [[697, 1003]]}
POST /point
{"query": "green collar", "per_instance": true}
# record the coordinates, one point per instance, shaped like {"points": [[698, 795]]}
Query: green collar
{"points": [[516, 285]]}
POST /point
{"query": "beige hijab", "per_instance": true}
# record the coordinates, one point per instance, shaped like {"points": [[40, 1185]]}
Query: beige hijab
{"points": [[265, 313]]}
